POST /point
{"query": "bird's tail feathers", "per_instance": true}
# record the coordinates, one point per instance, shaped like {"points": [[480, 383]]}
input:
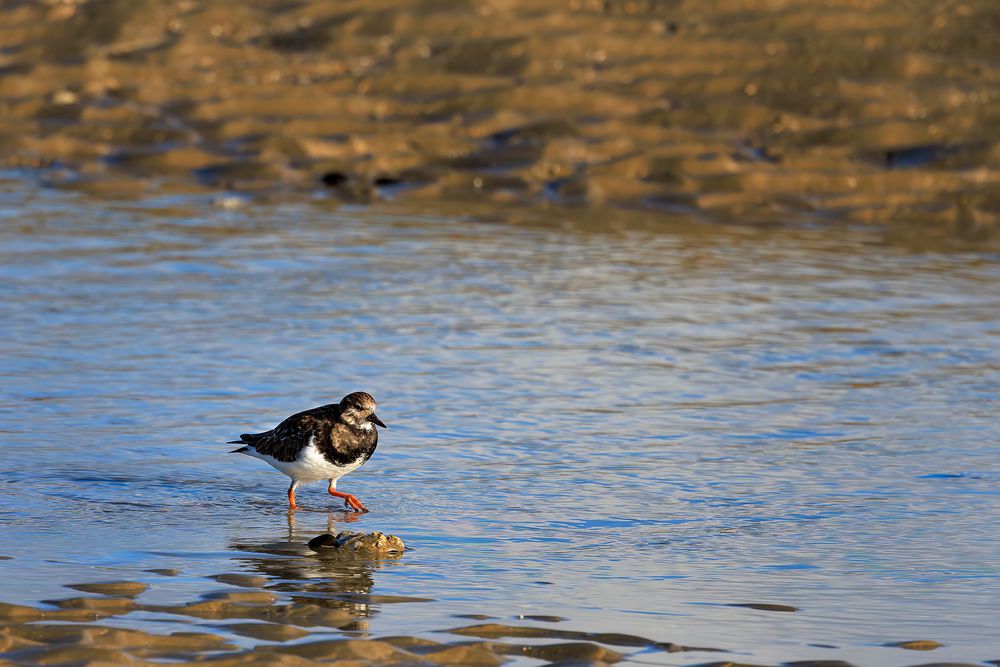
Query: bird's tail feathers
{"points": [[246, 439]]}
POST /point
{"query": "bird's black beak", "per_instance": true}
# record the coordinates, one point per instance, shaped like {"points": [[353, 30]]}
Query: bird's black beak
{"points": [[373, 418]]}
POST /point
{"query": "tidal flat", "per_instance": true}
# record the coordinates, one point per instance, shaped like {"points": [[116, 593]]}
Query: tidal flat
{"points": [[613, 436], [862, 111]]}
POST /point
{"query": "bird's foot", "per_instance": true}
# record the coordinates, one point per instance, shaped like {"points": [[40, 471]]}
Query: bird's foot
{"points": [[351, 502]]}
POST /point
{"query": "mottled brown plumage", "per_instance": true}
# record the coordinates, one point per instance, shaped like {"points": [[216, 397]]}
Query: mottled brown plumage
{"points": [[325, 442]]}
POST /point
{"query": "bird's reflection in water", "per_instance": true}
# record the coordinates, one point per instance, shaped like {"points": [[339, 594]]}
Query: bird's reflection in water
{"points": [[307, 578]]}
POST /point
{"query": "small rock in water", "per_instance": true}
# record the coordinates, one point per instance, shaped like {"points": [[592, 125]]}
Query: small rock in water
{"points": [[359, 544], [917, 644], [109, 605], [545, 618], [244, 580], [272, 632], [764, 606], [114, 588]]}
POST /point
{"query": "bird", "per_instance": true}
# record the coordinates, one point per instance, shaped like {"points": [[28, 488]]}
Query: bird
{"points": [[325, 442]]}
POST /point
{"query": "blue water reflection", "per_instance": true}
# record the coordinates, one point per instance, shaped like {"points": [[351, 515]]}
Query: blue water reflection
{"points": [[614, 425]]}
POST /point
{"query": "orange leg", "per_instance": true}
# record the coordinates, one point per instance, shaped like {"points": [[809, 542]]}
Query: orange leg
{"points": [[350, 501], [291, 496]]}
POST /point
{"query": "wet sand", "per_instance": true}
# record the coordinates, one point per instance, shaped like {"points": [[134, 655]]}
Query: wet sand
{"points": [[744, 109], [296, 606], [294, 620], [283, 619]]}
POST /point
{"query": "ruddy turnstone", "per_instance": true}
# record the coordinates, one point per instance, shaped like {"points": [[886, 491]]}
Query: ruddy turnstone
{"points": [[323, 443]]}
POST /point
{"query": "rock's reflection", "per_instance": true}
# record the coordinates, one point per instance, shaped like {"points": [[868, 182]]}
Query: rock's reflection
{"points": [[342, 584]]}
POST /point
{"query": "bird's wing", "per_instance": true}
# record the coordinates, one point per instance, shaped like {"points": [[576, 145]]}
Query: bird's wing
{"points": [[286, 440]]}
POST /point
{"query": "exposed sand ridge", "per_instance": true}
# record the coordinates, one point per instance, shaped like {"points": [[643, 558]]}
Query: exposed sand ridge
{"points": [[744, 109]]}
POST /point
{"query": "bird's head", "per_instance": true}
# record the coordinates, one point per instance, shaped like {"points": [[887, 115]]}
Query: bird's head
{"points": [[358, 410]]}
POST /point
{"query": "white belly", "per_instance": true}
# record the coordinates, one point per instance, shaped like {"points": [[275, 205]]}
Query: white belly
{"points": [[310, 466]]}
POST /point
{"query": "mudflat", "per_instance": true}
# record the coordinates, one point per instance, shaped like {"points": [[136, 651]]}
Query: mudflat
{"points": [[867, 110]]}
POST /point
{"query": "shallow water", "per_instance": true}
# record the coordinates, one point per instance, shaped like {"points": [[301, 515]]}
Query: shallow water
{"points": [[630, 424]]}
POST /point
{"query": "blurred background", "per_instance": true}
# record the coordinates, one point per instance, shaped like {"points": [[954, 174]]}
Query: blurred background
{"points": [[866, 110]]}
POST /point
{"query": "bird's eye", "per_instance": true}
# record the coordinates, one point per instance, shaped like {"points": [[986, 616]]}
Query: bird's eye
{"points": [[357, 406]]}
